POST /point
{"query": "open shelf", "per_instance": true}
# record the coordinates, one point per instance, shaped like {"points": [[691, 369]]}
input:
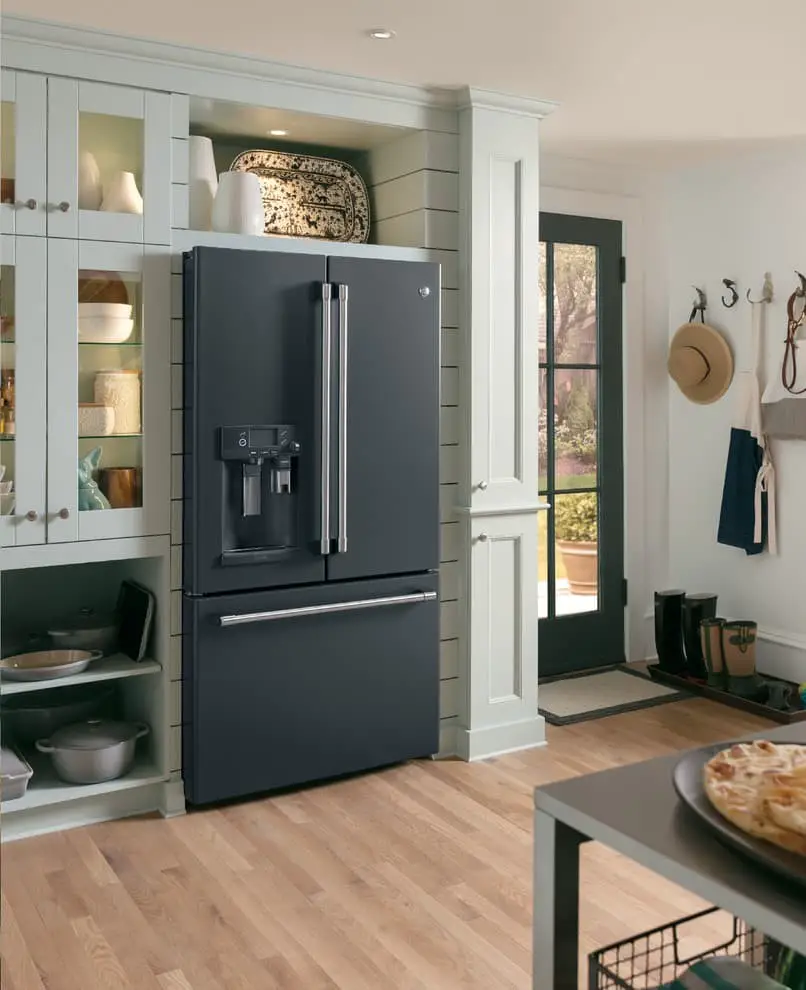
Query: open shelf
{"points": [[7, 437], [109, 669], [46, 789]]}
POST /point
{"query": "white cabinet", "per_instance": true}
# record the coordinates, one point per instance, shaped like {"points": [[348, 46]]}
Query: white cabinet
{"points": [[53, 357], [120, 132], [23, 144], [85, 160], [23, 345], [108, 394]]}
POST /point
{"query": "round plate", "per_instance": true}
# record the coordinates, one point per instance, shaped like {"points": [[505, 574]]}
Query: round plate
{"points": [[46, 665], [688, 783]]}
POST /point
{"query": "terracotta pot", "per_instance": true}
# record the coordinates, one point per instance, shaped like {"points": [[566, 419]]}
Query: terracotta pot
{"points": [[581, 562]]}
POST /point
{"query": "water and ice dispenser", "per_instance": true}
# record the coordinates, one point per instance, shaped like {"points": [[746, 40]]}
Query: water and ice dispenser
{"points": [[260, 503]]}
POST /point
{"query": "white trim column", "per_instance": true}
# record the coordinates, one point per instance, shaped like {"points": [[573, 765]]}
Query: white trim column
{"points": [[497, 497]]}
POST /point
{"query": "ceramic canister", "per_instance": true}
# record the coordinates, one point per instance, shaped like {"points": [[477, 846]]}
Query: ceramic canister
{"points": [[121, 391], [203, 182], [122, 195], [238, 206], [95, 420]]}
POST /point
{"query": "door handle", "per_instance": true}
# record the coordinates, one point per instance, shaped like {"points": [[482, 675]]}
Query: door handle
{"points": [[342, 479], [324, 538], [416, 598]]}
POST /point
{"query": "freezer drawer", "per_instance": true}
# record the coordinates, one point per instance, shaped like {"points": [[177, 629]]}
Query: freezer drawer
{"points": [[286, 687]]}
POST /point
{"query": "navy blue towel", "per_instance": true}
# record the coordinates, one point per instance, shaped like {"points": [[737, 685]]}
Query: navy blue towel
{"points": [[737, 517]]}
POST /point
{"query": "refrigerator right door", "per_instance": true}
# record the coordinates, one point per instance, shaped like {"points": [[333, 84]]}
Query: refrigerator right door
{"points": [[385, 474]]}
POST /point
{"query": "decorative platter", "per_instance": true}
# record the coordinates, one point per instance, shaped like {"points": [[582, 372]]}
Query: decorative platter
{"points": [[307, 196], [688, 782]]}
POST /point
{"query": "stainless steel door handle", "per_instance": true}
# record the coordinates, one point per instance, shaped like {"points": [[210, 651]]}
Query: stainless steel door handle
{"points": [[416, 598], [324, 539], [342, 479]]}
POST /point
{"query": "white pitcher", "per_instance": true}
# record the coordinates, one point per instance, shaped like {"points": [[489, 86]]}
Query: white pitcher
{"points": [[238, 206], [122, 195]]}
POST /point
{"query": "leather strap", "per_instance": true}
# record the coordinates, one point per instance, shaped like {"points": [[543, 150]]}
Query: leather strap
{"points": [[789, 366]]}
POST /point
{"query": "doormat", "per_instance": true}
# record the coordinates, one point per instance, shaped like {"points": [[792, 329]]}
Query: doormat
{"points": [[597, 694]]}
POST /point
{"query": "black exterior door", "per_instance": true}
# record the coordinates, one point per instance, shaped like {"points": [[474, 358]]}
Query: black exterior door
{"points": [[385, 438], [253, 342], [307, 683], [580, 442]]}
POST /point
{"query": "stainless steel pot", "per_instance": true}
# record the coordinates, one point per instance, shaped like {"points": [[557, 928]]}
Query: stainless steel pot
{"points": [[92, 752], [88, 630]]}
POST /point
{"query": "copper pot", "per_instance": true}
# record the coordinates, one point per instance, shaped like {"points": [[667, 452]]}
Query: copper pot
{"points": [[122, 487]]}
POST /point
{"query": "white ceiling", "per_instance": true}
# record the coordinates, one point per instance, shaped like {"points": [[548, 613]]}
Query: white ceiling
{"points": [[638, 80]]}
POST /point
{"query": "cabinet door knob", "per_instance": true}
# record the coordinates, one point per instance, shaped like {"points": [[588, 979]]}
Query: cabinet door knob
{"points": [[32, 515], [64, 206], [483, 537], [482, 486], [29, 204], [63, 513]]}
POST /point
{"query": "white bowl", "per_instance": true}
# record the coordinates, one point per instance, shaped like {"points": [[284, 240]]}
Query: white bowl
{"points": [[120, 311], [104, 330], [7, 503]]}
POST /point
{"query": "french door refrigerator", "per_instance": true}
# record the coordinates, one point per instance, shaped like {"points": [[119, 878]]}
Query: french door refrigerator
{"points": [[311, 518]]}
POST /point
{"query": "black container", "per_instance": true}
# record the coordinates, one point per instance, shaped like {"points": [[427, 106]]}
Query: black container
{"points": [[669, 630], [696, 607]]}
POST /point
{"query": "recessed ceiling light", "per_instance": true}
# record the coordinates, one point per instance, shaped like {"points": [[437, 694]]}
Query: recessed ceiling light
{"points": [[278, 132], [381, 34]]}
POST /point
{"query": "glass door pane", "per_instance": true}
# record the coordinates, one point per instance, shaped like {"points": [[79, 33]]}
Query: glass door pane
{"points": [[110, 430], [8, 409]]}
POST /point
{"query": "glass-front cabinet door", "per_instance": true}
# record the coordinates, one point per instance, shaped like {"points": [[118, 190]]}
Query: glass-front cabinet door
{"points": [[23, 143], [23, 377], [109, 162], [108, 390]]}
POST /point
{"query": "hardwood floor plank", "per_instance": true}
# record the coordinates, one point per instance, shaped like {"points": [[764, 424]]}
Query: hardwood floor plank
{"points": [[411, 878]]}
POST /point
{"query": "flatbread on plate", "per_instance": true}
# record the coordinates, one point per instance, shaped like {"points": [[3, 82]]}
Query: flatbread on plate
{"points": [[760, 787]]}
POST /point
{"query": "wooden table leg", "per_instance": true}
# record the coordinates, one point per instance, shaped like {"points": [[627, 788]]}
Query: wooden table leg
{"points": [[555, 922]]}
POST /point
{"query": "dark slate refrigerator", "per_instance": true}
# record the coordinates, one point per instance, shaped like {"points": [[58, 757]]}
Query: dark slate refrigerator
{"points": [[311, 518]]}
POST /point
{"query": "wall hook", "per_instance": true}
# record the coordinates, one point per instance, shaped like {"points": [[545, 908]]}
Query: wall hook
{"points": [[801, 292], [700, 305], [730, 285], [766, 291]]}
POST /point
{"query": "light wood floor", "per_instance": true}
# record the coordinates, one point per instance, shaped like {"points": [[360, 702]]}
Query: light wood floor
{"points": [[416, 877]]}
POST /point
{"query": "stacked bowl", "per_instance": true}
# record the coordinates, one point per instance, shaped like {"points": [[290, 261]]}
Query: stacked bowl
{"points": [[104, 322]]}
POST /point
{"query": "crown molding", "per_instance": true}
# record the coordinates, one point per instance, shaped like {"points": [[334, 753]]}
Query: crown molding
{"points": [[44, 46], [469, 97]]}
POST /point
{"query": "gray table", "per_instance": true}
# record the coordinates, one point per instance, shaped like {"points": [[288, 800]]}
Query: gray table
{"points": [[635, 811]]}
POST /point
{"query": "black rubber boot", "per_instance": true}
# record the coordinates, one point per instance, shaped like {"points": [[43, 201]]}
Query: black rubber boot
{"points": [[669, 631], [696, 607]]}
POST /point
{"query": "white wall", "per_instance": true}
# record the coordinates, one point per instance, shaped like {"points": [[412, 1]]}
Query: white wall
{"points": [[633, 197], [737, 219]]}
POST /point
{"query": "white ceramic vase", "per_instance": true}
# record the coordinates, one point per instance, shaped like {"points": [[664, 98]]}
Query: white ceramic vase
{"points": [[203, 182], [122, 195], [238, 205], [90, 193]]}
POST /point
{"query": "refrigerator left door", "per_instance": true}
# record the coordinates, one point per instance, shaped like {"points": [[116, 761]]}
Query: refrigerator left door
{"points": [[254, 326]]}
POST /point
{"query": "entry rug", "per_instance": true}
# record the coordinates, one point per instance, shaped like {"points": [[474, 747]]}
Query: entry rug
{"points": [[597, 694]]}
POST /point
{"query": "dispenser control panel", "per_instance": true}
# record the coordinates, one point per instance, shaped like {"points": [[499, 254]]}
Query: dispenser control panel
{"points": [[257, 443]]}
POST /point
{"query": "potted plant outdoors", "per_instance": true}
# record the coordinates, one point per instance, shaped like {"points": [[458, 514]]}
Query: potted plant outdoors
{"points": [[576, 532]]}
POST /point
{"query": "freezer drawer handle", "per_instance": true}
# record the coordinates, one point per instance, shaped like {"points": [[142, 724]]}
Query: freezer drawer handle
{"points": [[324, 539], [342, 480], [297, 613]]}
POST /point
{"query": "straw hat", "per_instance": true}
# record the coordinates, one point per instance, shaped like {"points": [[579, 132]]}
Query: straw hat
{"points": [[701, 363]]}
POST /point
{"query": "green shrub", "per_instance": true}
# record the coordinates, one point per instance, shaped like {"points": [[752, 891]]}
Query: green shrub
{"points": [[576, 517]]}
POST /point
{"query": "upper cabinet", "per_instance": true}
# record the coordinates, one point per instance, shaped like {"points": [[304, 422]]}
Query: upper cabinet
{"points": [[85, 160], [23, 147]]}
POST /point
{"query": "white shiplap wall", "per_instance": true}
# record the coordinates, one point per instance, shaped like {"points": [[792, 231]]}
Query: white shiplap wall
{"points": [[414, 187]]}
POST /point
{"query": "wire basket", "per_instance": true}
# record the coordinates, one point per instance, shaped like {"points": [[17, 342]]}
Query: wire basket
{"points": [[660, 956]]}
